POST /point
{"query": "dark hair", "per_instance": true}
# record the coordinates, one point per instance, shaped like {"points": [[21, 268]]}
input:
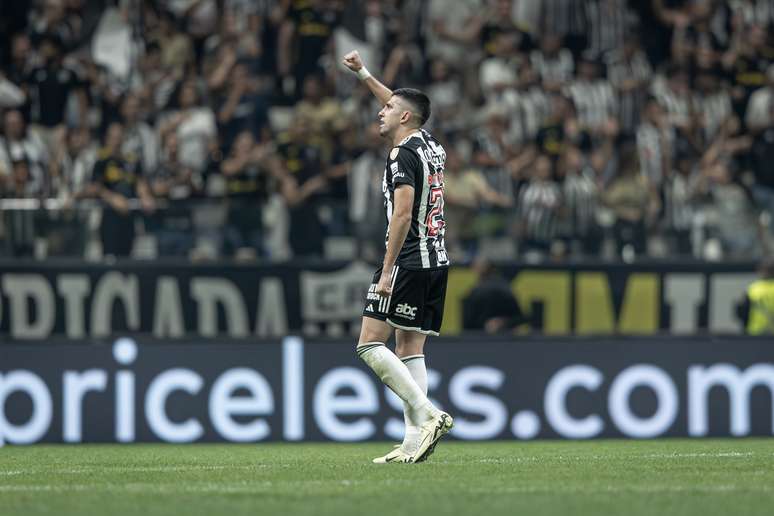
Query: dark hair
{"points": [[766, 268], [418, 100]]}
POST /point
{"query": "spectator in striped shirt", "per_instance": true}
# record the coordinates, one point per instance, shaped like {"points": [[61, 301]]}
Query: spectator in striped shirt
{"points": [[538, 209], [580, 194], [630, 72], [554, 64], [673, 92], [680, 195], [655, 142], [606, 22], [711, 103], [567, 19], [593, 96]]}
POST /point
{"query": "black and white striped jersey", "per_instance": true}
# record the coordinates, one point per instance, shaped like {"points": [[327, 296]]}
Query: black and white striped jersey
{"points": [[630, 102], [419, 161], [538, 207], [595, 102]]}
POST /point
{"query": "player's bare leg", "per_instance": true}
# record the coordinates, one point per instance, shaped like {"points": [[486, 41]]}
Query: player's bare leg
{"points": [[394, 373]]}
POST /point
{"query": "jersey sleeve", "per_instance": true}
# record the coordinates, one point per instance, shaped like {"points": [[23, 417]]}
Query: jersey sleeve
{"points": [[405, 167]]}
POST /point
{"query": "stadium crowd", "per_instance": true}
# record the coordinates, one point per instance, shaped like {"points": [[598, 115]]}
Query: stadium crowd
{"points": [[217, 128]]}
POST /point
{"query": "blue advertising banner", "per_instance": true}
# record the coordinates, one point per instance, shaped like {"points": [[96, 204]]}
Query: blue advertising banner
{"points": [[294, 390]]}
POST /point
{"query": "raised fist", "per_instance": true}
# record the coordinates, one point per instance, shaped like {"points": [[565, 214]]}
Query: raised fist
{"points": [[352, 61]]}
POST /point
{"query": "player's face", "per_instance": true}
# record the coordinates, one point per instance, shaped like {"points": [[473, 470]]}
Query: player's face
{"points": [[389, 116]]}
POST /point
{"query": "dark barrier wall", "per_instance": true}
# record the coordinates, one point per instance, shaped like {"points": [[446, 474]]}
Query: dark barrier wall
{"points": [[295, 390], [87, 300]]}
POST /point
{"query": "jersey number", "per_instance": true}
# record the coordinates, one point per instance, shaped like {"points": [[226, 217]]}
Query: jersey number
{"points": [[434, 221]]}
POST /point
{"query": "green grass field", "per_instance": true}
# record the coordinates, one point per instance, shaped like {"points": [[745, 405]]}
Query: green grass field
{"points": [[702, 477]]}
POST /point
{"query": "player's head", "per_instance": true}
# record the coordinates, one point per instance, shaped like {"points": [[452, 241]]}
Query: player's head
{"points": [[407, 107]]}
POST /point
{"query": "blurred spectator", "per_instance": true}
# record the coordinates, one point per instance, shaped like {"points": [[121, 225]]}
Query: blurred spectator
{"points": [[335, 197], [499, 71], [655, 143], [483, 29], [629, 71], [580, 199], [323, 115], [243, 105], [693, 39], [197, 18], [673, 92], [553, 64], [491, 150], [157, 83], [564, 18], [303, 40], [448, 23], [18, 145], [247, 170], [632, 203], [72, 164], [751, 12], [51, 18], [22, 226], [193, 122], [50, 88], [559, 127], [405, 63], [734, 218], [140, 140], [175, 46], [21, 59], [366, 198], [302, 181], [538, 207], [449, 106], [467, 195], [490, 306], [746, 62], [176, 184], [730, 205], [117, 180], [529, 106], [593, 96], [680, 192], [607, 22], [712, 105]]}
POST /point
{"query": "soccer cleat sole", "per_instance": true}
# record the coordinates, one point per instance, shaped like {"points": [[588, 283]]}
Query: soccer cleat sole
{"points": [[442, 428]]}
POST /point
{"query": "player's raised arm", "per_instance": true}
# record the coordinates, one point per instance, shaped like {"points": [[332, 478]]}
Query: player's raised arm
{"points": [[353, 62]]}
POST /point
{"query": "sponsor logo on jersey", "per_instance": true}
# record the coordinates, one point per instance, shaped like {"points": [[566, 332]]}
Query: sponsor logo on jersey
{"points": [[409, 312], [394, 168]]}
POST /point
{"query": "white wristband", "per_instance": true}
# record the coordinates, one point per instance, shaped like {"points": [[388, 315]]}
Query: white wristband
{"points": [[363, 73]]}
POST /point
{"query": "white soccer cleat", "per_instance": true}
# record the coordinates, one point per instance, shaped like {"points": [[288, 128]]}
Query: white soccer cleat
{"points": [[430, 433], [396, 456]]}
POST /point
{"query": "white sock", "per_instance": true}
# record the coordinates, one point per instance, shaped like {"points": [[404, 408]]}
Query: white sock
{"points": [[395, 375], [416, 366]]}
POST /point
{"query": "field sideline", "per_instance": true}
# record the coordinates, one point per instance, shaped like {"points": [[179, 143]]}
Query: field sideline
{"points": [[701, 477]]}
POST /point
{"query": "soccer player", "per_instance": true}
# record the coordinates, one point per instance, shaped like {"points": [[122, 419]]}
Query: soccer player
{"points": [[408, 290]]}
